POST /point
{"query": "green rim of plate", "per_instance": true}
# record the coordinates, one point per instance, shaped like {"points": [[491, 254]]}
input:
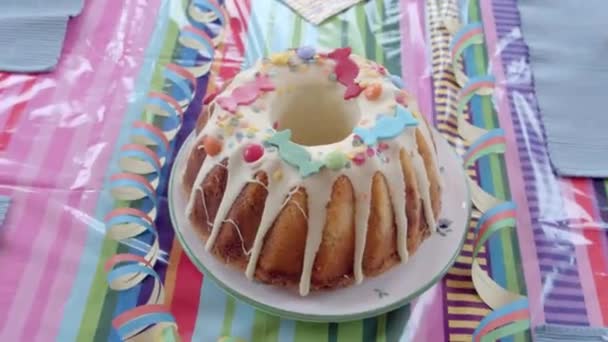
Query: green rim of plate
{"points": [[296, 316]]}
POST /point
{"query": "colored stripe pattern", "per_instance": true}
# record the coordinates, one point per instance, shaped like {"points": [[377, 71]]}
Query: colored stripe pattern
{"points": [[558, 258], [483, 142], [503, 322], [463, 308], [136, 195], [467, 36]]}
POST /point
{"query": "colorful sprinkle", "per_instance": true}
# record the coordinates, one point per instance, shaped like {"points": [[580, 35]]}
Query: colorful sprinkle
{"points": [[379, 68], [281, 58], [213, 146], [383, 146], [335, 160], [239, 136], [401, 97], [306, 52], [229, 131], [253, 152], [370, 152], [397, 81], [373, 91]]}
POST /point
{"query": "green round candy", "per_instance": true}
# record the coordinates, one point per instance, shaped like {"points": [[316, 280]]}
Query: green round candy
{"points": [[335, 160]]}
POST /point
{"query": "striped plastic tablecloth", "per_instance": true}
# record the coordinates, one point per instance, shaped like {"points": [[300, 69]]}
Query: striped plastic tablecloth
{"points": [[61, 134]]}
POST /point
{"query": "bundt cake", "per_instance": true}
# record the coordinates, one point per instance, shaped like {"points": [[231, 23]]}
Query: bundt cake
{"points": [[312, 169]]}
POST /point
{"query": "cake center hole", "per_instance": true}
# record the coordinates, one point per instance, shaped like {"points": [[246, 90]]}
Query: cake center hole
{"points": [[315, 112]]}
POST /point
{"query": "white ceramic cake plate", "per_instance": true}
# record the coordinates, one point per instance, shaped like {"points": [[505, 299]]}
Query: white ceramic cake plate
{"points": [[396, 287]]}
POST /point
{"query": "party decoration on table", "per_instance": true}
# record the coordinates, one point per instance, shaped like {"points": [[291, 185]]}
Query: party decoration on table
{"points": [[147, 134], [467, 36], [184, 80], [5, 202], [162, 105], [450, 14], [495, 219], [204, 16], [317, 11], [139, 159], [387, 127], [481, 85], [142, 161], [511, 314], [198, 40], [204, 12], [506, 321], [491, 142]]}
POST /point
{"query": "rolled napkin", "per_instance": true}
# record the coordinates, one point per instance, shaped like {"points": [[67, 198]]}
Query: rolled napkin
{"points": [[568, 55], [32, 33], [554, 333], [4, 205]]}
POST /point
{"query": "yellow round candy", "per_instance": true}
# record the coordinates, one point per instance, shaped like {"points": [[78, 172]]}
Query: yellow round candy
{"points": [[281, 58]]}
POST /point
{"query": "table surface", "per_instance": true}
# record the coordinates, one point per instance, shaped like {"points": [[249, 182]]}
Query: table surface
{"points": [[60, 134]]}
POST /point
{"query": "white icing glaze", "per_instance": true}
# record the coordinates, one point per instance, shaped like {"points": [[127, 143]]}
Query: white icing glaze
{"points": [[317, 201], [424, 185], [257, 119], [396, 185]]}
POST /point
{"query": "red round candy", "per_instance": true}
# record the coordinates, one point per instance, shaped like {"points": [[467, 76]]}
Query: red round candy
{"points": [[253, 152], [359, 159]]}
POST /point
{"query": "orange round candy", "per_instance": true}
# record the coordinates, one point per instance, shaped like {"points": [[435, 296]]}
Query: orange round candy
{"points": [[213, 146], [373, 91]]}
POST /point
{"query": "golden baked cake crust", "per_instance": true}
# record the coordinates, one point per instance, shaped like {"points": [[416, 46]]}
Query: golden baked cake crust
{"points": [[293, 194]]}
